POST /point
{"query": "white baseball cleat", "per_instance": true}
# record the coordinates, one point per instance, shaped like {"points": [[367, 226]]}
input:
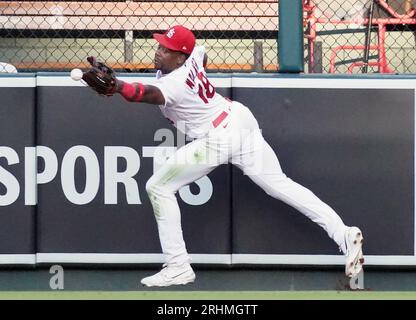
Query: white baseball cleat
{"points": [[171, 275], [354, 252]]}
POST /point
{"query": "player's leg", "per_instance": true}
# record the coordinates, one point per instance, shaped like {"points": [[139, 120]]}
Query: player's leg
{"points": [[187, 165], [260, 163]]}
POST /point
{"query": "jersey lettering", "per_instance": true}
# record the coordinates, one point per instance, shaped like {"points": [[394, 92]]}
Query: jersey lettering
{"points": [[190, 81], [206, 90]]}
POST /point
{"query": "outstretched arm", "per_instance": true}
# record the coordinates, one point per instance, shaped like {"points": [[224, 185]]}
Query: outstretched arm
{"points": [[138, 92], [102, 79]]}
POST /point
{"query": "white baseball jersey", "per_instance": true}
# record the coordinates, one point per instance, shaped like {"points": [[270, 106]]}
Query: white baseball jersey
{"points": [[191, 102], [190, 98]]}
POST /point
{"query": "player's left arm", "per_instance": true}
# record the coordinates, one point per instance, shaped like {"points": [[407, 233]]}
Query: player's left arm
{"points": [[103, 80]]}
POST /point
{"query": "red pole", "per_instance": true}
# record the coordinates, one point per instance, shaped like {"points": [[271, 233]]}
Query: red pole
{"points": [[360, 64], [381, 48]]}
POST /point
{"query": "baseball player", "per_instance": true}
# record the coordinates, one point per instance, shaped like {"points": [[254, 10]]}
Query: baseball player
{"points": [[223, 131]]}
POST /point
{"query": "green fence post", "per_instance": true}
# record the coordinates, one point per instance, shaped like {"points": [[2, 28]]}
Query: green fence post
{"points": [[290, 36]]}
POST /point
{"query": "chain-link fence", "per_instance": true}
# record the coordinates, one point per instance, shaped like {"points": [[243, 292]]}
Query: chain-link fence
{"points": [[360, 36], [59, 35], [341, 36]]}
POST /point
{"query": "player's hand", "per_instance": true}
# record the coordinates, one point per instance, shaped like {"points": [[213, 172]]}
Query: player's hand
{"points": [[100, 77]]}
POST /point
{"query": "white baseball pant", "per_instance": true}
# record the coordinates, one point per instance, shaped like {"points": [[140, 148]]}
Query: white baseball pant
{"points": [[237, 140]]}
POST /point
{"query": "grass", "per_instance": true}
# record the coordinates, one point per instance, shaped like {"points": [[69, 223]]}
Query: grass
{"points": [[207, 295]]}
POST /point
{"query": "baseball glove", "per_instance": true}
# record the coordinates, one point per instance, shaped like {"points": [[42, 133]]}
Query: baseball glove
{"points": [[100, 77]]}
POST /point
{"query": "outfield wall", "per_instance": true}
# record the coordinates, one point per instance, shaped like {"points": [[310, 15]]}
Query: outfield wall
{"points": [[73, 169]]}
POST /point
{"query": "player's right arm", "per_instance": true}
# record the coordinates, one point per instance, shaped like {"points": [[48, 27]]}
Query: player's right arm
{"points": [[138, 92]]}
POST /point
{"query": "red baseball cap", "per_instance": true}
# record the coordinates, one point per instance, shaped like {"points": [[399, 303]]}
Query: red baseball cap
{"points": [[177, 38]]}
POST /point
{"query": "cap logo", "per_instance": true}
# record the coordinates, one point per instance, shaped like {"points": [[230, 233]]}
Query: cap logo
{"points": [[170, 33]]}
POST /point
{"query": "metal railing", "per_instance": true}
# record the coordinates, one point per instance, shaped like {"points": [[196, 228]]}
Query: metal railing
{"points": [[360, 36]]}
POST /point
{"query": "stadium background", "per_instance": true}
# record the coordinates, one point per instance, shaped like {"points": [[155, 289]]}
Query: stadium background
{"points": [[241, 36]]}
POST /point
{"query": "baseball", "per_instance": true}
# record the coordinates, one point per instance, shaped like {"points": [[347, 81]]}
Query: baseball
{"points": [[76, 74]]}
